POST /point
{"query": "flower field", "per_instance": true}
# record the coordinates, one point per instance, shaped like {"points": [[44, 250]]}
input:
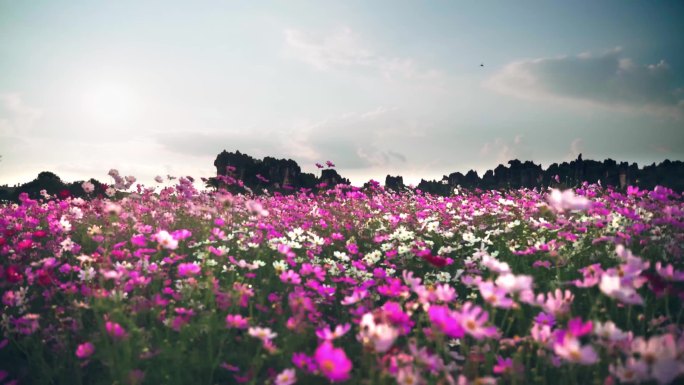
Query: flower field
{"points": [[179, 286]]}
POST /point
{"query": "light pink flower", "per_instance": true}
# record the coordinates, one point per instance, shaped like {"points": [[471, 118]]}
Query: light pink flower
{"points": [[567, 201], [569, 348], [327, 334], [262, 333], [88, 187], [286, 377], [495, 295], [633, 371], [557, 302], [380, 336], [166, 240], [472, 319], [612, 286]]}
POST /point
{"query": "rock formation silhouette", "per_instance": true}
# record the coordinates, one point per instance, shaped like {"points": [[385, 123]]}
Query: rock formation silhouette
{"points": [[285, 176]]}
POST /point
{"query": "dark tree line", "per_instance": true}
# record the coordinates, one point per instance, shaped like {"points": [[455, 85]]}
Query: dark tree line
{"points": [[53, 185], [235, 171]]}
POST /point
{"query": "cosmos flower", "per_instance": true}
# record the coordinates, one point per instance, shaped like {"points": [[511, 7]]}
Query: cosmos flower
{"points": [[166, 240], [115, 330], [262, 333], [85, 350], [88, 187], [569, 348], [188, 269], [236, 321], [286, 377], [332, 362], [472, 320], [566, 200], [380, 336], [328, 335], [445, 321]]}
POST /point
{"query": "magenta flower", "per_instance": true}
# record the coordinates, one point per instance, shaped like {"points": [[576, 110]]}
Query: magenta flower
{"points": [[115, 330], [545, 319], [332, 362], [503, 365], [444, 320], [188, 269], [85, 350], [236, 321], [577, 328]]}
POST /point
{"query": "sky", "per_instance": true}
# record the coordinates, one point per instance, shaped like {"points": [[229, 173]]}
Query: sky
{"points": [[419, 89]]}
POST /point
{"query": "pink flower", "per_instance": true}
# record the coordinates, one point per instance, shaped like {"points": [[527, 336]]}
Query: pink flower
{"points": [[557, 302], [290, 277], [380, 335], [444, 320], [188, 269], [115, 330], [236, 321], [88, 187], [286, 377], [357, 295], [166, 240], [264, 334], [332, 362], [503, 365], [661, 354], [328, 335], [569, 348], [614, 287], [669, 273], [85, 350], [577, 328], [633, 371], [472, 320], [495, 295], [567, 201]]}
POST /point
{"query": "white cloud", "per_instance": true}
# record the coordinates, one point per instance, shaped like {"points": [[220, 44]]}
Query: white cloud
{"points": [[343, 50], [16, 117], [607, 80]]}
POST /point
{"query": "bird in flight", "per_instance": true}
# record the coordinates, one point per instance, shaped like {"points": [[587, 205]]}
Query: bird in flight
{"points": [[481, 65]]}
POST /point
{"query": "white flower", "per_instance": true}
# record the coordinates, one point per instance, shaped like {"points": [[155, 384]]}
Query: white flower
{"points": [[166, 240], [88, 187], [262, 333], [65, 224], [86, 274]]}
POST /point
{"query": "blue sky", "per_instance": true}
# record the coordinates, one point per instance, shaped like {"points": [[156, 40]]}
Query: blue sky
{"points": [[377, 87]]}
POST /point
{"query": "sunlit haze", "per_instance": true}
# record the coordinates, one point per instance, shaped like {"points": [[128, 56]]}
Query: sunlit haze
{"points": [[418, 89]]}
